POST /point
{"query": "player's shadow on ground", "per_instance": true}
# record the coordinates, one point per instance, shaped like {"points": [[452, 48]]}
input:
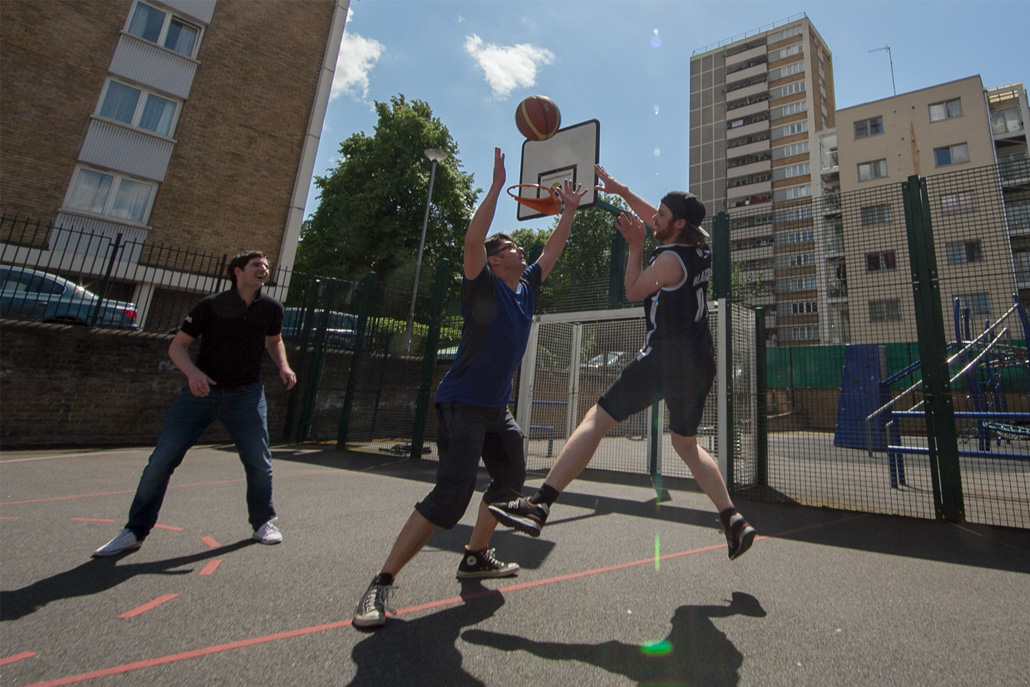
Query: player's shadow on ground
{"points": [[695, 652], [423, 651], [95, 576]]}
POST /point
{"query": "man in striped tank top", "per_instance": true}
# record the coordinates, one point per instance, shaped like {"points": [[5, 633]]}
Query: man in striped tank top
{"points": [[676, 362]]}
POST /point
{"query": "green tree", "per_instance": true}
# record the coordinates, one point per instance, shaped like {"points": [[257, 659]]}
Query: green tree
{"points": [[372, 204]]}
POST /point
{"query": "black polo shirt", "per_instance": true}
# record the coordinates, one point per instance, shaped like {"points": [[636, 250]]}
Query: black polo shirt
{"points": [[232, 335]]}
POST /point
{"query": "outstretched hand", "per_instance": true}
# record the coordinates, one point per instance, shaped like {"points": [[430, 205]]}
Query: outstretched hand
{"points": [[632, 229], [608, 183], [499, 174], [571, 195]]}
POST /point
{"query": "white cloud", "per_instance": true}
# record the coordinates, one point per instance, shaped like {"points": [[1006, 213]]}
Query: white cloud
{"points": [[358, 56], [507, 67]]}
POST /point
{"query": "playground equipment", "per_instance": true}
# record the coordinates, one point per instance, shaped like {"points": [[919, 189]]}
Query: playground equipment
{"points": [[868, 418]]}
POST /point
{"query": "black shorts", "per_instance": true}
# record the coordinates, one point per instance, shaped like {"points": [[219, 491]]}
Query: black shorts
{"points": [[681, 373]]}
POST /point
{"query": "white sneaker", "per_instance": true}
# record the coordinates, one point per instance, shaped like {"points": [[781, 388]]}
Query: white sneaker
{"points": [[268, 533], [125, 541]]}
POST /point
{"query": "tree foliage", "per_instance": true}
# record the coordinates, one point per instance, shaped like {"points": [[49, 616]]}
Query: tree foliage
{"points": [[372, 204]]}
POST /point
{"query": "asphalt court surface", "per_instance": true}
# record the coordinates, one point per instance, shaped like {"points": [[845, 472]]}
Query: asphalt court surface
{"points": [[618, 590]]}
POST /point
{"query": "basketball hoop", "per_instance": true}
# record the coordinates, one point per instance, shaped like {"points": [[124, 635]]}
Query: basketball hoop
{"points": [[551, 204]]}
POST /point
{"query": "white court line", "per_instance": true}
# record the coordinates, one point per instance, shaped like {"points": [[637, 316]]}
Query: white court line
{"points": [[66, 455]]}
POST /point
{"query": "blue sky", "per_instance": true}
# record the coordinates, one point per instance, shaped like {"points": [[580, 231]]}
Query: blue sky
{"points": [[626, 64]]}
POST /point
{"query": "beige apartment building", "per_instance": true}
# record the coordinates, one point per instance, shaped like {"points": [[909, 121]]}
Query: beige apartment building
{"points": [[954, 134], [188, 123], [758, 106]]}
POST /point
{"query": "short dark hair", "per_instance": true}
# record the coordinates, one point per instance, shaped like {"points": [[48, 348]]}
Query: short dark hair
{"points": [[241, 260], [495, 244]]}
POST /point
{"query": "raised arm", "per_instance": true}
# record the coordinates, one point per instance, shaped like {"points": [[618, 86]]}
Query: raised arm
{"points": [[571, 197], [641, 207], [641, 282], [479, 227]]}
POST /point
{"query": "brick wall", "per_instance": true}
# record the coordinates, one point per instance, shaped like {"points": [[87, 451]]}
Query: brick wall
{"points": [[55, 59], [230, 178], [65, 385]]}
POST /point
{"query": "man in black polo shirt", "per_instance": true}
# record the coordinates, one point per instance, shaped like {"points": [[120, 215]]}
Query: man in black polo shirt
{"points": [[224, 384]]}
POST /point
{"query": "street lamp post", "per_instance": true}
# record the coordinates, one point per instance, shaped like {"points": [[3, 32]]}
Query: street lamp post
{"points": [[435, 156]]}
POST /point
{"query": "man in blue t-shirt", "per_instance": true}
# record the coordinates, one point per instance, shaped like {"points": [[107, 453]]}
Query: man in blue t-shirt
{"points": [[472, 399]]}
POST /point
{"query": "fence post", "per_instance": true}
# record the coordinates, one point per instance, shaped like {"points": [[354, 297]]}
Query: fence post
{"points": [[107, 277], [724, 341], [418, 432], [761, 403], [941, 434], [365, 307]]}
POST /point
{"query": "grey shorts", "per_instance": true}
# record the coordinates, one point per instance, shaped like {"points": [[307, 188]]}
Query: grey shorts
{"points": [[465, 434], [682, 374]]}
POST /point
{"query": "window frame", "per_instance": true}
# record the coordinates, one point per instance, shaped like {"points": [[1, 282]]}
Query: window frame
{"points": [[884, 310], [964, 252], [946, 104], [863, 127], [140, 109], [166, 23], [881, 163], [112, 196], [964, 202], [950, 151], [881, 261], [872, 215]]}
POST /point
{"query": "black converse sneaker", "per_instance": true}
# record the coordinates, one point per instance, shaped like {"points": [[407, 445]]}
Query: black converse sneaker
{"points": [[739, 536], [478, 564], [372, 609], [522, 515]]}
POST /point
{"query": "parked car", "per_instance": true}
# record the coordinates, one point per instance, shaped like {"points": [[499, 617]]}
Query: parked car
{"points": [[612, 361], [27, 294], [341, 329]]}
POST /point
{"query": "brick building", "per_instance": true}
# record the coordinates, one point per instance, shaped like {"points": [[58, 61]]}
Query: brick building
{"points": [[191, 123]]}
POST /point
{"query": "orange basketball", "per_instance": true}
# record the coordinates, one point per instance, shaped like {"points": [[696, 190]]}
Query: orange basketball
{"points": [[538, 118]]}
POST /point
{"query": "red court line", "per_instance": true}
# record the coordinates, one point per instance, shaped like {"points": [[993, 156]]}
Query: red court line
{"points": [[174, 486], [10, 517], [147, 606], [211, 543], [300, 632], [169, 527], [210, 567], [91, 520], [17, 657]]}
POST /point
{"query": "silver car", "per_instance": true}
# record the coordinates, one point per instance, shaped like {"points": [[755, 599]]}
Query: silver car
{"points": [[27, 294]]}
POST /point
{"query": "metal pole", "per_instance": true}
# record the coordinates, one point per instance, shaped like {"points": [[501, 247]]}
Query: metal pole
{"points": [[434, 156]]}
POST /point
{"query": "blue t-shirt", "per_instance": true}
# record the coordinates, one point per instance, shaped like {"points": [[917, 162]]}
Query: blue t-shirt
{"points": [[493, 339]]}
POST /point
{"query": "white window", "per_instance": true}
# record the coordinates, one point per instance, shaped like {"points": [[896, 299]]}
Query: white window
{"points": [[790, 150], [792, 193], [880, 261], [876, 214], [951, 155], [869, 127], [162, 28], [790, 171], [787, 89], [877, 169], [792, 108], [785, 33], [138, 107], [789, 129], [978, 303], [885, 311], [111, 195], [786, 70], [958, 203], [783, 53], [946, 110], [961, 252]]}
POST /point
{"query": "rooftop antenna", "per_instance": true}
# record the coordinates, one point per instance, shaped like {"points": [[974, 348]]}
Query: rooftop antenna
{"points": [[888, 49]]}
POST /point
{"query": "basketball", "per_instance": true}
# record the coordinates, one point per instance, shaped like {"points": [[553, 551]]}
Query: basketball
{"points": [[538, 118]]}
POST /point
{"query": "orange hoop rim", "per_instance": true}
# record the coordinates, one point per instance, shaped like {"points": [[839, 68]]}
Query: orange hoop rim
{"points": [[547, 206]]}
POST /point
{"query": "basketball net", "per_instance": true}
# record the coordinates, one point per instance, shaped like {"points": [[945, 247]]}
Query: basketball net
{"points": [[550, 204]]}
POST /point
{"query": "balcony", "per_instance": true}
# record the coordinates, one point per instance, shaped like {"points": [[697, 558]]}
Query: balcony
{"points": [[745, 56], [754, 70], [747, 108], [747, 130], [1014, 170], [749, 169], [747, 90], [758, 188]]}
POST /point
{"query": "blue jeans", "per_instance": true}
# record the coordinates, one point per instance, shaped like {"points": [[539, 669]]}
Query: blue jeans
{"points": [[243, 411]]}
